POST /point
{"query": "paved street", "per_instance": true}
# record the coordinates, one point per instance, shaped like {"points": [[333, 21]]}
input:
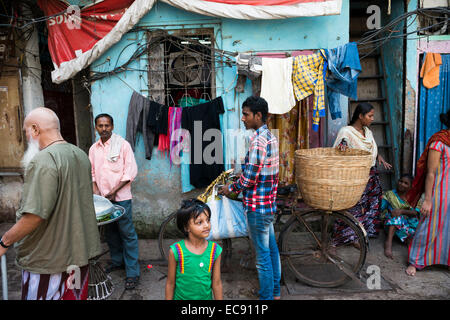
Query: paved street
{"points": [[238, 282]]}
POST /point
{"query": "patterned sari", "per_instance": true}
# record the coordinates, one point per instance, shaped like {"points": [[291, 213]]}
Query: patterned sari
{"points": [[431, 243], [367, 210]]}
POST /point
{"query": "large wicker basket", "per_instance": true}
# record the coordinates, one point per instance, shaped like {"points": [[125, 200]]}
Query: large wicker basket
{"points": [[330, 179]]}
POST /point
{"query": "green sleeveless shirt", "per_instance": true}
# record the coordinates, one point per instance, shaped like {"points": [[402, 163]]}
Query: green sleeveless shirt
{"points": [[193, 274]]}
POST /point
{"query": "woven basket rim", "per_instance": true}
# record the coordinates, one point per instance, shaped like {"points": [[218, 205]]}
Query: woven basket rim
{"points": [[353, 152]]}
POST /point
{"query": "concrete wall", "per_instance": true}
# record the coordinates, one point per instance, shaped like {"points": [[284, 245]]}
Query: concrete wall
{"points": [[157, 189], [10, 195]]}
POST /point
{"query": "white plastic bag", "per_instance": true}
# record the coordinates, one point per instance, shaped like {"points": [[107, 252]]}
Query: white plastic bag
{"points": [[228, 219]]}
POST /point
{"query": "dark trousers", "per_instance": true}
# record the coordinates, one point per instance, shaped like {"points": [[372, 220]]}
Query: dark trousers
{"points": [[122, 241]]}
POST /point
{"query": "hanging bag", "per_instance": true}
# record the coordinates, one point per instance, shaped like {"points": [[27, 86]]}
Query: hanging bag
{"points": [[228, 219]]}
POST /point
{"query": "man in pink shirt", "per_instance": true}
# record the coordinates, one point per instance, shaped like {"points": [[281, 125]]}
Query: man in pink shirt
{"points": [[113, 170]]}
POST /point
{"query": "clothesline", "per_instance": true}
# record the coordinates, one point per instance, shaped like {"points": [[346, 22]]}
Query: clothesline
{"points": [[306, 73]]}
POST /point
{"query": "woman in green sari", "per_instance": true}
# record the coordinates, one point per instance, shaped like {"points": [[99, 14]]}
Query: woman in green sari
{"points": [[400, 218]]}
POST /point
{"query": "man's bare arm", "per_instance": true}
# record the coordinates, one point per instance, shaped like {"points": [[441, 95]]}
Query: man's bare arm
{"points": [[27, 224]]}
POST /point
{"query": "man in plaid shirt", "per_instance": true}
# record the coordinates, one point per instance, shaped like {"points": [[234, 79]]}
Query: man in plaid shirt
{"points": [[258, 182]]}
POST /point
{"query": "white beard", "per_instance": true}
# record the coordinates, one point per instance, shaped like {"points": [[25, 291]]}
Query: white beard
{"points": [[32, 150]]}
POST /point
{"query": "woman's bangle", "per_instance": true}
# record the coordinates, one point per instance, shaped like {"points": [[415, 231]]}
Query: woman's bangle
{"points": [[3, 245]]}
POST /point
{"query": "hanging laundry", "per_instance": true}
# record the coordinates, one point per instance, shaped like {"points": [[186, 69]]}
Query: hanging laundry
{"points": [[276, 84], [186, 186], [430, 70], [164, 144], [308, 78], [249, 66], [138, 110], [344, 66], [206, 115], [174, 131], [157, 119]]}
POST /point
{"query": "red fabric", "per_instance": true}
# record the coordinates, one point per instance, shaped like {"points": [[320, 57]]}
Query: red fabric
{"points": [[96, 22], [418, 186], [78, 294], [264, 2]]}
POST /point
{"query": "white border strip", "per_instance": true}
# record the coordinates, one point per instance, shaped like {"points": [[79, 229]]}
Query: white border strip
{"points": [[251, 12]]}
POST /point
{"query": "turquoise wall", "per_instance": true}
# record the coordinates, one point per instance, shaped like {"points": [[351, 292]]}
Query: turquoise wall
{"points": [[392, 52], [157, 189]]}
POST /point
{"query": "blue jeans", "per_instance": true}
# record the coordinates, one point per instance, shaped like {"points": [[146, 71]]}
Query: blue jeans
{"points": [[268, 263], [123, 241]]}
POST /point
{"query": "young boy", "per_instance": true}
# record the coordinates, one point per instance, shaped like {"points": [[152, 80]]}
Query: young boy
{"points": [[400, 218]]}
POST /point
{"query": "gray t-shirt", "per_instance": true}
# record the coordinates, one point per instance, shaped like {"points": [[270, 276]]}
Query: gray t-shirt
{"points": [[58, 188]]}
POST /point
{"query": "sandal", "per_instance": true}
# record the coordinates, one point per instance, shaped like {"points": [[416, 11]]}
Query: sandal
{"points": [[112, 268], [131, 282]]}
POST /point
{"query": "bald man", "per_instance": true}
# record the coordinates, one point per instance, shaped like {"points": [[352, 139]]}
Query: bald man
{"points": [[56, 230]]}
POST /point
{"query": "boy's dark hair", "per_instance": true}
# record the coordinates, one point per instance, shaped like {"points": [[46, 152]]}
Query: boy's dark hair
{"points": [[362, 108], [104, 115], [257, 104], [445, 118], [407, 175], [190, 208]]}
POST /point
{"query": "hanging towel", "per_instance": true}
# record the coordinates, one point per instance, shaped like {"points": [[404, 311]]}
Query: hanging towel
{"points": [[430, 70], [164, 138], [116, 145], [157, 119], [308, 78], [344, 66], [203, 151], [174, 131], [186, 185], [276, 84], [137, 121]]}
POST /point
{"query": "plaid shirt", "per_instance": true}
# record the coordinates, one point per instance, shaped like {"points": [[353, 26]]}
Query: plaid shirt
{"points": [[259, 178], [308, 78]]}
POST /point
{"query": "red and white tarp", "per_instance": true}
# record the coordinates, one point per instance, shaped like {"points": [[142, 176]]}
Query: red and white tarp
{"points": [[78, 38]]}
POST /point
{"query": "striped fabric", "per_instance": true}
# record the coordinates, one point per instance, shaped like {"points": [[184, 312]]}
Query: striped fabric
{"points": [[259, 178], [308, 78], [180, 257], [55, 286], [212, 256], [180, 254], [431, 243]]}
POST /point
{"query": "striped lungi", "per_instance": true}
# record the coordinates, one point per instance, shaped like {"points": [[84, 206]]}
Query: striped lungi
{"points": [[58, 286]]}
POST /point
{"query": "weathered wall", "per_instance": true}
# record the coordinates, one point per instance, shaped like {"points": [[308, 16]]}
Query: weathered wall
{"points": [[392, 52], [157, 188], [10, 195]]}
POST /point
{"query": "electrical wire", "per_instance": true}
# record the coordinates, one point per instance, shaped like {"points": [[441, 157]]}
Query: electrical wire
{"points": [[376, 39]]}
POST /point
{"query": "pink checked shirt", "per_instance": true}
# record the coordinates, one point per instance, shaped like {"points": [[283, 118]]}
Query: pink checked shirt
{"points": [[108, 174]]}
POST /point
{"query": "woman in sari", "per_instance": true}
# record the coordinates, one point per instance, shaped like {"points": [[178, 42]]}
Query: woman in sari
{"points": [[358, 135], [431, 243]]}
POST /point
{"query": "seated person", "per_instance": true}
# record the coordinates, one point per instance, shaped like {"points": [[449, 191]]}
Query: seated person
{"points": [[399, 217]]}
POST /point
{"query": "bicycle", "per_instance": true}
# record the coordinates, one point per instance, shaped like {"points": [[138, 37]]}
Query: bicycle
{"points": [[304, 241]]}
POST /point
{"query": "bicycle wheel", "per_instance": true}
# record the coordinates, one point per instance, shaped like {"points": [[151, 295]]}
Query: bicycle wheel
{"points": [[169, 234], [306, 243]]}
